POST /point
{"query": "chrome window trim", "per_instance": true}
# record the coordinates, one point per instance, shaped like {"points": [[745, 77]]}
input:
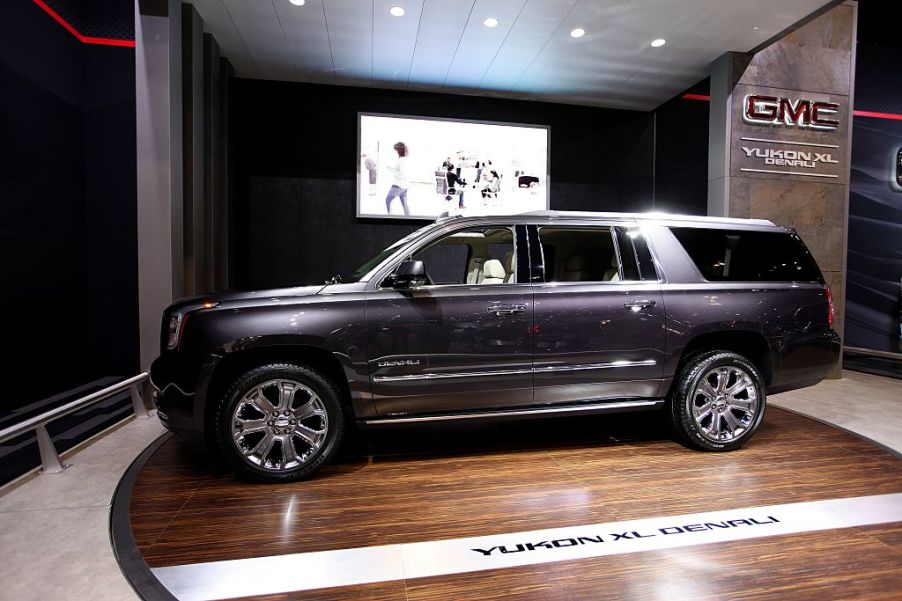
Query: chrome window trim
{"points": [[425, 240]]}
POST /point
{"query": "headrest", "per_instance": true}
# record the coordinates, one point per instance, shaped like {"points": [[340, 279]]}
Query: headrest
{"points": [[575, 263], [509, 262], [493, 269]]}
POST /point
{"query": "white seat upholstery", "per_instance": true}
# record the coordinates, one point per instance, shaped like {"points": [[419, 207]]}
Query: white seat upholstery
{"points": [[493, 272], [474, 275], [510, 267], [574, 269], [613, 274]]}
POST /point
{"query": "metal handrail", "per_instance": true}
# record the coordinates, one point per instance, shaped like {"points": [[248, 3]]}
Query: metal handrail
{"points": [[857, 350], [50, 459]]}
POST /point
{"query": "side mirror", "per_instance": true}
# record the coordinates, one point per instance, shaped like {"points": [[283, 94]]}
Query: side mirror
{"points": [[409, 274]]}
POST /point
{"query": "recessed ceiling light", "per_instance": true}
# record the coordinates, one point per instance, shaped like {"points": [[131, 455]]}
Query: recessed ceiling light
{"points": [[757, 28], [298, 2], [396, 11], [490, 22], [578, 33], [658, 43]]}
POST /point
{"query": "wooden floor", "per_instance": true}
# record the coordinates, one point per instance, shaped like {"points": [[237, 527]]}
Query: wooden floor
{"points": [[418, 484]]}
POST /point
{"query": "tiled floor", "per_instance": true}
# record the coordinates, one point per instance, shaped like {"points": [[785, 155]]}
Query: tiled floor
{"points": [[54, 529], [864, 404]]}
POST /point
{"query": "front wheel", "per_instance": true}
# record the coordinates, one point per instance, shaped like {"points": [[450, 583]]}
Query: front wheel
{"points": [[718, 402], [279, 422]]}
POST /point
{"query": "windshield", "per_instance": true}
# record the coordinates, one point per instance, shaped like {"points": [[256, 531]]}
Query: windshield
{"points": [[372, 263]]}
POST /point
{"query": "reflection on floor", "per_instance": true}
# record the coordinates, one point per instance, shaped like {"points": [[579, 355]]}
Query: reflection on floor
{"points": [[424, 484]]}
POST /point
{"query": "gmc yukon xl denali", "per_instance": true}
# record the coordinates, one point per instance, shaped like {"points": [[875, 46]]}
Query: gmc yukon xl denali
{"points": [[531, 315]]}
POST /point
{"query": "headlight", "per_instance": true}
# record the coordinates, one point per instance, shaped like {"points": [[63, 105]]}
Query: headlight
{"points": [[175, 327]]}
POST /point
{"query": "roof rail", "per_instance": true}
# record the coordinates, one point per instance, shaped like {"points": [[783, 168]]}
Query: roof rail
{"points": [[651, 216]]}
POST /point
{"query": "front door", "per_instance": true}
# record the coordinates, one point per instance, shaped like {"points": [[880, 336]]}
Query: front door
{"points": [[461, 342], [599, 315]]}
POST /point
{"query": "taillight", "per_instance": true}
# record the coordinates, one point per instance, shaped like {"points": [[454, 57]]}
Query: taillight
{"points": [[829, 308]]}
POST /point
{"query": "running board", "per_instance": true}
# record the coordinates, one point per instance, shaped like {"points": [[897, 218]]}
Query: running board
{"points": [[545, 411]]}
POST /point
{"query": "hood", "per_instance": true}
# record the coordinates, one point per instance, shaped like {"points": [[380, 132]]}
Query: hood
{"points": [[240, 297]]}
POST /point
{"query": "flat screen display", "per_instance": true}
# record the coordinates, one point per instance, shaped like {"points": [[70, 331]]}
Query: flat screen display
{"points": [[424, 168]]}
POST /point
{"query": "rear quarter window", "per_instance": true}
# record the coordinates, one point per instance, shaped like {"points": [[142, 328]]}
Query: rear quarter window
{"points": [[748, 256]]}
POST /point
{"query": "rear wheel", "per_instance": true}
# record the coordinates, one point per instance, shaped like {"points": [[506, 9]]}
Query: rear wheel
{"points": [[718, 401], [280, 422]]}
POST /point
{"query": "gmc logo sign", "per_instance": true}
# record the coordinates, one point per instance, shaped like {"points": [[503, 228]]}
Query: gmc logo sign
{"points": [[771, 110]]}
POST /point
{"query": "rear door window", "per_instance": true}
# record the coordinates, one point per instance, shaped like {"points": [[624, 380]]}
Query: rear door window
{"points": [[579, 254], [748, 256]]}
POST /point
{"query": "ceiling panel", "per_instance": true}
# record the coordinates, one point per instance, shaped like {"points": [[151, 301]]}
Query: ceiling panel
{"points": [[307, 39], [479, 44], [443, 44], [538, 22], [394, 41], [263, 37], [350, 28], [441, 26], [218, 22]]}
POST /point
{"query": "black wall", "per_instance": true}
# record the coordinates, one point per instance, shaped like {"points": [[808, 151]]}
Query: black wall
{"points": [[293, 151], [873, 301], [67, 208], [681, 153]]}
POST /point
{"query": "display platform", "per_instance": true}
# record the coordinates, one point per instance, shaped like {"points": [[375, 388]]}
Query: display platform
{"points": [[554, 509]]}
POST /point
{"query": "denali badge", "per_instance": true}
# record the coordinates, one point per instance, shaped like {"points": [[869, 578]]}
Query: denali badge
{"points": [[770, 110], [399, 363]]}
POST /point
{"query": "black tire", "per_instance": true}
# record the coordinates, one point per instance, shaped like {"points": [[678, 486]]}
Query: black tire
{"points": [[690, 396], [308, 391]]}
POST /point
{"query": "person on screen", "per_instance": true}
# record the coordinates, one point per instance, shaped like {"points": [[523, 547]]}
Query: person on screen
{"points": [[455, 186], [370, 166], [400, 179]]}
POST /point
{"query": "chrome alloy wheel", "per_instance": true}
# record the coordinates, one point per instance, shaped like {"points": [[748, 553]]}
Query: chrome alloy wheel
{"points": [[725, 403], [279, 425]]}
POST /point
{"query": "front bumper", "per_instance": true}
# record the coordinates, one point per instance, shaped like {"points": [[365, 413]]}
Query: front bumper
{"points": [[179, 386]]}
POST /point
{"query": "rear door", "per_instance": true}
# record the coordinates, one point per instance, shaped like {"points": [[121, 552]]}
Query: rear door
{"points": [[599, 314]]}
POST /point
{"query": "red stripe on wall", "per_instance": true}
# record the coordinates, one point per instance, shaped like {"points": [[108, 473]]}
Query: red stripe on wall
{"points": [[874, 115], [696, 97], [83, 39]]}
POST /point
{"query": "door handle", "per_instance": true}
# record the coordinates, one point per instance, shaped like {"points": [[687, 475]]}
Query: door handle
{"points": [[502, 310], [638, 305]]}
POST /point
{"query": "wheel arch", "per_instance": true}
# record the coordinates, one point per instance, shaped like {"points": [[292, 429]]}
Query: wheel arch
{"points": [[233, 364], [748, 343]]}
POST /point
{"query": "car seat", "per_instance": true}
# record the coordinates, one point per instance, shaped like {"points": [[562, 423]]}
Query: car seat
{"points": [[493, 272], [613, 274], [574, 269]]}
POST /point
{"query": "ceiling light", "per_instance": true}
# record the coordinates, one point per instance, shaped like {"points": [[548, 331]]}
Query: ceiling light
{"points": [[396, 11], [578, 33], [658, 43], [490, 22], [298, 2]]}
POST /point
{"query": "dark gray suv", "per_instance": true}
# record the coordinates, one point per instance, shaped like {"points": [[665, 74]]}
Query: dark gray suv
{"points": [[470, 318]]}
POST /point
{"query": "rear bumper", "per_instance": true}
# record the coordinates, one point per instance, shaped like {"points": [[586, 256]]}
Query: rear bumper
{"points": [[805, 361]]}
